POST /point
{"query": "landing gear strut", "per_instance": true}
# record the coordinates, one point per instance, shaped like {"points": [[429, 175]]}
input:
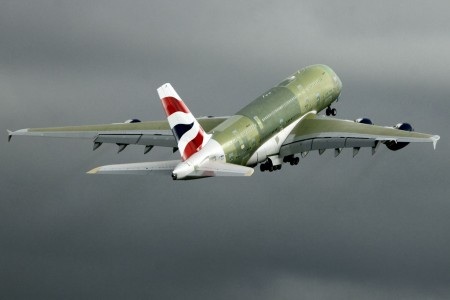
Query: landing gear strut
{"points": [[330, 111]]}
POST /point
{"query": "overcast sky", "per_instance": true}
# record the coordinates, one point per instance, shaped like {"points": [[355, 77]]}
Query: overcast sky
{"points": [[369, 227]]}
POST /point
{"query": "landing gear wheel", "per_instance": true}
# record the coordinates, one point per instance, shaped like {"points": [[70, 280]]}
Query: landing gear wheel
{"points": [[334, 111], [328, 111], [267, 166], [293, 160]]}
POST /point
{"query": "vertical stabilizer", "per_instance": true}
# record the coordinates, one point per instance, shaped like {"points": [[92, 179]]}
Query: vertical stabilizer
{"points": [[189, 134]]}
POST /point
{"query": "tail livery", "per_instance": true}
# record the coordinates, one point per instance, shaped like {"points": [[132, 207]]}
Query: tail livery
{"points": [[189, 134], [191, 139]]}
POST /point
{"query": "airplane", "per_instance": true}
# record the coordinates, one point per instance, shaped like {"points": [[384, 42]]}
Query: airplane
{"points": [[273, 129]]}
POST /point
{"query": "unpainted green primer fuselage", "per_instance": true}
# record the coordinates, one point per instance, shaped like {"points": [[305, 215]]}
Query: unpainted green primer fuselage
{"points": [[310, 89]]}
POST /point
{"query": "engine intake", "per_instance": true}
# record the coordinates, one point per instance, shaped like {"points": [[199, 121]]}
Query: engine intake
{"points": [[364, 121], [132, 121], [392, 145]]}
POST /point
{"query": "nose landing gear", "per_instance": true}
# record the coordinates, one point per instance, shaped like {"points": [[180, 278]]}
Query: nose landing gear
{"points": [[330, 111]]}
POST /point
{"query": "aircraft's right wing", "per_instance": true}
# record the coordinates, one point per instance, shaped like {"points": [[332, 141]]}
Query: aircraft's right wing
{"points": [[149, 134], [321, 133]]}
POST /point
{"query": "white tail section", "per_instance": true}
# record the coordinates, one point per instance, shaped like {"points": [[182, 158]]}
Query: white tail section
{"points": [[145, 168], [189, 134]]}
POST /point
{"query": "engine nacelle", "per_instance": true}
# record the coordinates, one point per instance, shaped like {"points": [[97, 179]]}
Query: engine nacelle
{"points": [[392, 145], [132, 121], [364, 121]]}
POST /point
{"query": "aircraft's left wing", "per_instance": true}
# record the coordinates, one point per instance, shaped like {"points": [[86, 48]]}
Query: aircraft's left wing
{"points": [[149, 134], [321, 133]]}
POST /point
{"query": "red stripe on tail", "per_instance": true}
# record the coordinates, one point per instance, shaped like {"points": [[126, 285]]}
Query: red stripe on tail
{"points": [[172, 105], [193, 146]]}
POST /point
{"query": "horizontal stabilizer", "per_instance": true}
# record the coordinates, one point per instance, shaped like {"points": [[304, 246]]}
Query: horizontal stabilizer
{"points": [[145, 168], [214, 168]]}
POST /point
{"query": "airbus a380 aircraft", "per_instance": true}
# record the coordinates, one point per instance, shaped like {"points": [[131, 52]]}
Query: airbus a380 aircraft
{"points": [[270, 131]]}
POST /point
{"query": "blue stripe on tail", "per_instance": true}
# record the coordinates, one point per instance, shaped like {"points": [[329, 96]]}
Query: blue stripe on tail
{"points": [[180, 129]]}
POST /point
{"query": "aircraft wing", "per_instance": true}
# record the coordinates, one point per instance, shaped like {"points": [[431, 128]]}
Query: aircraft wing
{"points": [[152, 133], [321, 133]]}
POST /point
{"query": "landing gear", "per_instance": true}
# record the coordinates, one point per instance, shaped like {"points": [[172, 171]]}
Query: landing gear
{"points": [[291, 159], [330, 111], [269, 166]]}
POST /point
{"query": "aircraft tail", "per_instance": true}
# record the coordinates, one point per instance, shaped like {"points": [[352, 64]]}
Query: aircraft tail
{"points": [[189, 134]]}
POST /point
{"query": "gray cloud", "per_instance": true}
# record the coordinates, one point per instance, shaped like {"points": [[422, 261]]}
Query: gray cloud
{"points": [[369, 227]]}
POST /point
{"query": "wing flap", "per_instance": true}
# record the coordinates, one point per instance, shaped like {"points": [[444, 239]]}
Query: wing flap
{"points": [[149, 138]]}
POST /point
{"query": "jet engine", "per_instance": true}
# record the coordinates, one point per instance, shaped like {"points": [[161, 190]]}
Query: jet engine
{"points": [[392, 145], [364, 121], [132, 121]]}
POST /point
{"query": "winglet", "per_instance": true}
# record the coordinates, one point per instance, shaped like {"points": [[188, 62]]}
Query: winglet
{"points": [[435, 139], [93, 171], [9, 135], [25, 131]]}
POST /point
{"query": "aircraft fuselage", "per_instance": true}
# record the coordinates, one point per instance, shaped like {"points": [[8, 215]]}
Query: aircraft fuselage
{"points": [[242, 135], [256, 131]]}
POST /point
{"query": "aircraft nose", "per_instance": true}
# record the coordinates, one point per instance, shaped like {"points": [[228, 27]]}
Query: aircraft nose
{"points": [[338, 84], [337, 81]]}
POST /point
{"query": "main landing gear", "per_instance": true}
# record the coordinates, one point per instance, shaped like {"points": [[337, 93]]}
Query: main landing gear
{"points": [[330, 111], [291, 159], [269, 165]]}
